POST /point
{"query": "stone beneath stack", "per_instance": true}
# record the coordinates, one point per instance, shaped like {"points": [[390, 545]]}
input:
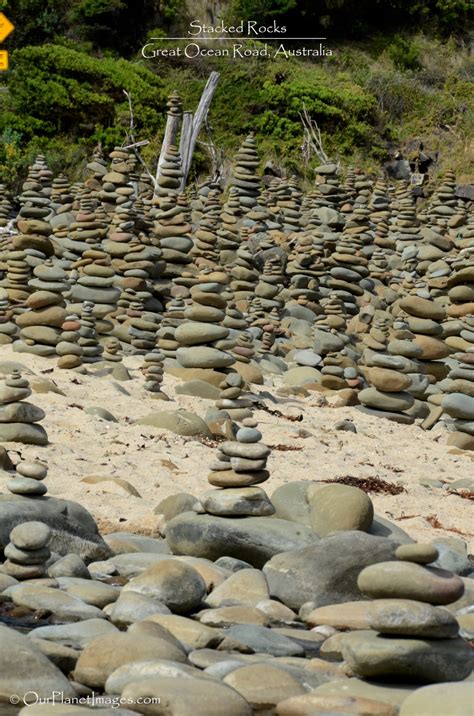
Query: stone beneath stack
{"points": [[40, 326], [27, 552], [18, 418]]}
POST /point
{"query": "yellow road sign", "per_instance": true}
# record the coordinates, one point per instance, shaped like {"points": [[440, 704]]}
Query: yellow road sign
{"points": [[6, 27], [3, 60]]}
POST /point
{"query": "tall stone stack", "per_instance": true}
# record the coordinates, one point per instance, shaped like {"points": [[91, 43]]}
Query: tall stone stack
{"points": [[87, 230], [244, 173], [116, 187], [36, 190], [171, 214], [18, 418], [458, 403], [232, 399], [240, 466], [244, 272], [201, 335], [412, 637], [173, 317], [444, 204], [288, 203], [8, 327], [17, 275], [348, 267], [230, 222], [304, 268], [380, 214], [328, 192], [205, 250], [40, 326], [142, 327], [6, 208], [270, 284], [405, 229], [88, 340]]}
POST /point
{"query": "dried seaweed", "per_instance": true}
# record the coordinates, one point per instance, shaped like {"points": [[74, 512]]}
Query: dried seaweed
{"points": [[466, 494], [279, 414], [285, 448], [369, 484], [434, 522]]}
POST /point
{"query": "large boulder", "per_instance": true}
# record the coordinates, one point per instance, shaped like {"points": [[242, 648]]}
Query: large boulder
{"points": [[326, 572], [73, 529], [252, 539]]}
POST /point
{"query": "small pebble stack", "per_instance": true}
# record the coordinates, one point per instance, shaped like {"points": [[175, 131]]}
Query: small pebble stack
{"points": [[27, 552]]}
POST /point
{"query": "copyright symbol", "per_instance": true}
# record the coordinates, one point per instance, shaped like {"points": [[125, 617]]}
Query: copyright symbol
{"points": [[14, 699]]}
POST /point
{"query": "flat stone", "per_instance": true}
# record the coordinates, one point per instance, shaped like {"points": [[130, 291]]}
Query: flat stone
{"points": [[452, 698], [30, 535], [313, 704], [326, 572], [251, 501], [64, 606], [263, 685], [184, 696], [180, 422], [204, 357], [371, 655], [253, 539], [24, 668], [405, 617], [244, 588], [338, 507], [173, 583], [417, 552], [141, 670], [191, 634], [262, 640], [75, 634], [103, 655], [407, 580]]}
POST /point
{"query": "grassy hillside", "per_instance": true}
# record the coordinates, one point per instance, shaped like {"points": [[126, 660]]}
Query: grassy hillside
{"points": [[63, 96]]}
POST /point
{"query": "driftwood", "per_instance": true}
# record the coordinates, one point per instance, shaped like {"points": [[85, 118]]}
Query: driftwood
{"points": [[133, 144], [186, 131], [312, 141], [199, 118]]}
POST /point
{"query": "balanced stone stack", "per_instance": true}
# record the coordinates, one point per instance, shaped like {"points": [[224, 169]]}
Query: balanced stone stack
{"points": [[230, 222], [40, 326], [230, 398], [244, 272], [152, 369], [17, 274], [205, 252], [88, 341], [328, 191], [244, 174], [459, 401], [142, 328], [36, 190], [304, 268], [389, 363], [87, 230], [6, 208], [68, 349], [116, 186], [174, 316], [8, 327], [201, 335], [171, 214], [239, 467], [18, 418], [112, 354], [27, 552], [62, 201], [412, 638], [96, 284]]}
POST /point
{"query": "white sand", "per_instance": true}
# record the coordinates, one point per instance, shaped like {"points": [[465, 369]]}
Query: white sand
{"points": [[158, 463]]}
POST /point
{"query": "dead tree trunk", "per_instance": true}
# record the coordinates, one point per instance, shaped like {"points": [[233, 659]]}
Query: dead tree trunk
{"points": [[197, 122], [185, 139], [173, 123]]}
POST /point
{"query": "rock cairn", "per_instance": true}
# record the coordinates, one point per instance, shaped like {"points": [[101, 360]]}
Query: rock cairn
{"points": [[28, 479], [68, 349], [27, 552], [18, 418]]}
